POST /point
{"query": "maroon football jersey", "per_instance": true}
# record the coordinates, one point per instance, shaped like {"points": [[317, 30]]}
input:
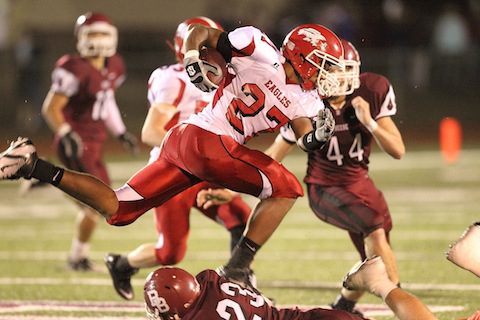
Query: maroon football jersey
{"points": [[90, 91], [221, 299], [345, 158]]}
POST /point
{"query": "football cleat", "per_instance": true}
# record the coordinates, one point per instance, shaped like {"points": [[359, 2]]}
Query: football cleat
{"points": [[241, 276], [465, 252], [82, 265], [370, 275], [121, 278], [19, 160], [341, 303]]}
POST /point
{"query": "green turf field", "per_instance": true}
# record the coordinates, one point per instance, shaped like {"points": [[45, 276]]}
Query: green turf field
{"points": [[303, 263]]}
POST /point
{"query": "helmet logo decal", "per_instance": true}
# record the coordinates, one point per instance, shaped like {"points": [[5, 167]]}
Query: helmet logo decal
{"points": [[314, 37], [156, 301]]}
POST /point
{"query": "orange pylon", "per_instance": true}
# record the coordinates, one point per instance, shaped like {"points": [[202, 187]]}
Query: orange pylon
{"points": [[450, 139]]}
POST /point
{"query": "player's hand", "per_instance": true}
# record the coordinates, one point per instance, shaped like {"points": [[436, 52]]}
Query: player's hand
{"points": [[129, 142], [325, 125], [214, 197], [197, 70], [362, 110], [72, 144]]}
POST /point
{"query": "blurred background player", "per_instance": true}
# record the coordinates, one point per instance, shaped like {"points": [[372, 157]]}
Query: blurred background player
{"points": [[340, 191], [173, 98], [173, 293], [79, 107]]}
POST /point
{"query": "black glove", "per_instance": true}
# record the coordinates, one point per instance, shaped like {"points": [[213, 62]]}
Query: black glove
{"points": [[129, 142], [197, 70], [72, 148], [324, 125]]}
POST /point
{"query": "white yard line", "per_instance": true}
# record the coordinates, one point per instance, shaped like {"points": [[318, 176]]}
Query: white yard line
{"points": [[294, 284]]}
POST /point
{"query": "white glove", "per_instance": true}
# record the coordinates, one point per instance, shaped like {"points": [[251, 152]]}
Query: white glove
{"points": [[324, 125], [197, 70]]}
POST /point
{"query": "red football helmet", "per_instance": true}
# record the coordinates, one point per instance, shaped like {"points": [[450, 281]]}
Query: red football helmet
{"points": [[182, 31], [313, 49], [88, 46], [168, 292], [349, 78]]}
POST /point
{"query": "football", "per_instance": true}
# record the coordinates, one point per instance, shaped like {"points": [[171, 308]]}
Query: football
{"points": [[214, 58]]}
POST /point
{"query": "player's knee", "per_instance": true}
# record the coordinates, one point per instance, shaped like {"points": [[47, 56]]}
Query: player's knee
{"points": [[169, 257], [376, 236]]}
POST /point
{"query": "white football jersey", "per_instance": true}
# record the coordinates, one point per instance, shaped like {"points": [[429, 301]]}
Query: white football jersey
{"points": [[255, 97], [171, 85]]}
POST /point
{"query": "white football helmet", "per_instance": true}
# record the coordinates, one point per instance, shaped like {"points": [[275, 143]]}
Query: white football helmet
{"points": [[349, 79], [88, 46]]}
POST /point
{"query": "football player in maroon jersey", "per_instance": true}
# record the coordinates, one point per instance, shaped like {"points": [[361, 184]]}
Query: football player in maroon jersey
{"points": [[80, 106], [173, 293], [173, 98], [340, 191], [266, 89]]}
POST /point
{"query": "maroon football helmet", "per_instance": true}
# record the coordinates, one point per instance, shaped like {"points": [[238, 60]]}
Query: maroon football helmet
{"points": [[182, 32], [88, 46], [349, 78], [313, 49], [168, 292]]}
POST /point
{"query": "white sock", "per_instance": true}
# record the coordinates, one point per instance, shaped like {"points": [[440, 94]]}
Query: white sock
{"points": [[384, 288], [79, 250]]}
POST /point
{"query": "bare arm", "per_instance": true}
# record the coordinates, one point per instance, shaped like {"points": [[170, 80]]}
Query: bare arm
{"points": [[52, 108], [279, 149], [153, 130], [384, 130]]}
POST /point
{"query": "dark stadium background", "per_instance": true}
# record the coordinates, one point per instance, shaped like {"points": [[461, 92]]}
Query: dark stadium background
{"points": [[395, 38]]}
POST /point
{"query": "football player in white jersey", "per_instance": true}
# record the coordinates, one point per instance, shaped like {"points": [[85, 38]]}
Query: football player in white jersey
{"points": [[264, 89], [173, 98]]}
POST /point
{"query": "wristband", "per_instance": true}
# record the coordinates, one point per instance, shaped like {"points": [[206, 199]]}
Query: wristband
{"points": [[372, 125], [63, 129], [309, 142], [191, 54]]}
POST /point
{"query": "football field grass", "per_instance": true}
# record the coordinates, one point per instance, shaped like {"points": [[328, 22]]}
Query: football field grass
{"points": [[302, 264]]}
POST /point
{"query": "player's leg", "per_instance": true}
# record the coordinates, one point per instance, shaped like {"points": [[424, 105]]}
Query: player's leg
{"points": [[78, 258], [371, 275], [221, 160], [465, 252], [172, 224], [376, 244], [87, 219], [360, 209], [233, 215], [20, 160]]}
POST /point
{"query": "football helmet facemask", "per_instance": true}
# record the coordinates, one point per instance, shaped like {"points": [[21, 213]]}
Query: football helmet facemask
{"points": [[182, 32], [349, 78], [168, 292], [88, 45], [313, 50]]}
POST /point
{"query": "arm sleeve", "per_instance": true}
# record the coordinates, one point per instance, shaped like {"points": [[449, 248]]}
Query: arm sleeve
{"points": [[64, 82], [287, 134], [113, 120]]}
